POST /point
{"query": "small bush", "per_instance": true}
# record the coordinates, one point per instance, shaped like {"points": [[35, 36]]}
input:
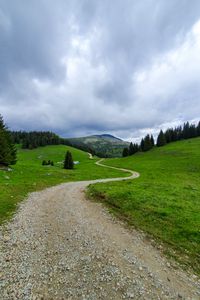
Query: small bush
{"points": [[47, 163]]}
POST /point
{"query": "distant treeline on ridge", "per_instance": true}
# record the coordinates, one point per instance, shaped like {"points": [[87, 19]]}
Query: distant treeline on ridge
{"points": [[186, 131], [34, 139]]}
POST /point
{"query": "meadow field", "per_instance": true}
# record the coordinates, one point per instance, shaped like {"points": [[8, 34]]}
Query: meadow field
{"points": [[164, 201], [29, 175]]}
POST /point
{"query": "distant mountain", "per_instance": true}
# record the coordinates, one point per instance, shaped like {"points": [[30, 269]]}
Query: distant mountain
{"points": [[104, 145], [108, 136]]}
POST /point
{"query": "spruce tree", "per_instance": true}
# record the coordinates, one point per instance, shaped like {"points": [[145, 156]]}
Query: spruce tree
{"points": [[68, 162], [161, 141], [8, 153], [142, 145], [192, 131], [186, 130], [136, 148], [198, 129], [147, 143], [125, 152], [168, 136], [152, 141], [131, 149]]}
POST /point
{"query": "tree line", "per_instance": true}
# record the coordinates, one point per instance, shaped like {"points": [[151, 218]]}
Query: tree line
{"points": [[34, 139], [178, 133], [8, 152]]}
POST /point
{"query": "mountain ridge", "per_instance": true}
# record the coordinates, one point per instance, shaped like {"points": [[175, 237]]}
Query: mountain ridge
{"points": [[103, 145], [107, 135]]}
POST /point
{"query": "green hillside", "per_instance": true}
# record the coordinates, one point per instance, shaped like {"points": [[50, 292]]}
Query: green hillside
{"points": [[29, 175], [165, 200], [104, 145]]}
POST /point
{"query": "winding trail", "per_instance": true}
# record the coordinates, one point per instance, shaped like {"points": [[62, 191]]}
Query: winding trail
{"points": [[132, 176], [61, 246]]}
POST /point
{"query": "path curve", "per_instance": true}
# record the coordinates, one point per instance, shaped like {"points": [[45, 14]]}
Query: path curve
{"points": [[132, 176], [61, 246]]}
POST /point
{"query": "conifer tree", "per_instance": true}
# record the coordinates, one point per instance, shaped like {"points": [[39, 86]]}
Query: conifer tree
{"points": [[68, 162], [147, 143], [192, 131], [161, 141], [142, 145], [186, 130], [168, 135], [152, 141], [198, 129], [8, 153], [125, 152], [136, 148], [131, 149]]}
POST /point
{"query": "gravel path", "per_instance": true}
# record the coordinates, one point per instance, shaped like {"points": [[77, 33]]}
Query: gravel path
{"points": [[61, 246]]}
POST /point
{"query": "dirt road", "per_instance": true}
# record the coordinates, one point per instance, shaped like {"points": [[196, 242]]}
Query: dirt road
{"points": [[62, 246]]}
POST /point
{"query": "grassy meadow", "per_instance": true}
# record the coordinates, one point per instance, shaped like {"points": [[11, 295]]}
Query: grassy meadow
{"points": [[29, 175], [164, 201]]}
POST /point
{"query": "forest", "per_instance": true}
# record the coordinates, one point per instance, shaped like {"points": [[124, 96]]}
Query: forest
{"points": [[179, 133]]}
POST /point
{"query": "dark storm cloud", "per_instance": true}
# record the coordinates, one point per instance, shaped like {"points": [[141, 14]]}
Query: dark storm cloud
{"points": [[78, 67], [33, 36]]}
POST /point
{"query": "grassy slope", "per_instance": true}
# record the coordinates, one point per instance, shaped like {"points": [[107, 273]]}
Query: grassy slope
{"points": [[29, 175], [165, 200]]}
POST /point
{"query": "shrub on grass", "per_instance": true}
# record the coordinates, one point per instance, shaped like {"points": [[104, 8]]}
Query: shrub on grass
{"points": [[47, 163]]}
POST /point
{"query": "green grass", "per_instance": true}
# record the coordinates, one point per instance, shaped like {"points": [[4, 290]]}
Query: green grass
{"points": [[29, 175], [165, 200]]}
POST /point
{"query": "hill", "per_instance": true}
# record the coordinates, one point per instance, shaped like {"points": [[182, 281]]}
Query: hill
{"points": [[165, 200], [109, 136], [104, 145], [29, 175]]}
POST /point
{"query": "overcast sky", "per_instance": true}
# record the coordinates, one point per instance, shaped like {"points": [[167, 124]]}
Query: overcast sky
{"points": [[79, 67]]}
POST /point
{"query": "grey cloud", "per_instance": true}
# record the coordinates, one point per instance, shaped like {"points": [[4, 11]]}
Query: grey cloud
{"points": [[77, 67], [33, 41]]}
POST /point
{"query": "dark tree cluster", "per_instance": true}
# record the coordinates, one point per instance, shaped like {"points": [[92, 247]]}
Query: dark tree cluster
{"points": [[186, 131], [125, 152], [146, 144], [8, 152], [47, 163], [133, 148], [34, 139], [161, 139]]}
